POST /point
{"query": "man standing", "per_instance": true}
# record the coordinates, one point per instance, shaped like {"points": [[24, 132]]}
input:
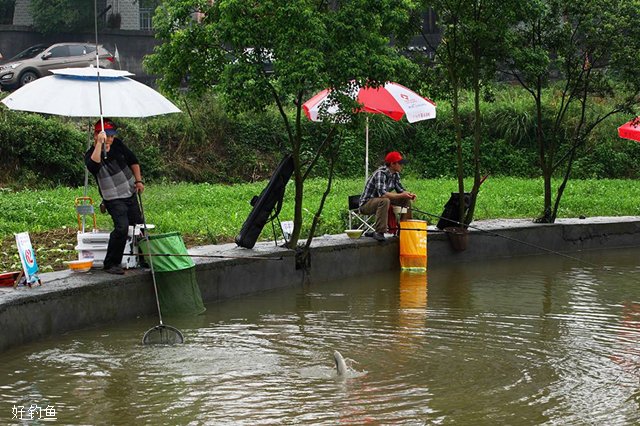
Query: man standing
{"points": [[382, 189], [117, 172]]}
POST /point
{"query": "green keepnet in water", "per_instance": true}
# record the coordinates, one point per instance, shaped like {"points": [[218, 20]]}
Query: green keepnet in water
{"points": [[179, 293], [178, 290]]}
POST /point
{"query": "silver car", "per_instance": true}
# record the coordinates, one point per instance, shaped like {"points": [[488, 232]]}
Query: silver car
{"points": [[38, 61]]}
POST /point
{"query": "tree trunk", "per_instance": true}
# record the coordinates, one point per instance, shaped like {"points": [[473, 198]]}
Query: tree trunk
{"points": [[477, 136], [455, 100], [546, 168], [299, 187]]}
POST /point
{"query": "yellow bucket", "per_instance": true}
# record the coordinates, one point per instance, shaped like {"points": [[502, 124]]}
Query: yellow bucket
{"points": [[413, 244]]}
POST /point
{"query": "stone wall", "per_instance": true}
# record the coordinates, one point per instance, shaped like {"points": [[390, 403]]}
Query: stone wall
{"points": [[67, 301]]}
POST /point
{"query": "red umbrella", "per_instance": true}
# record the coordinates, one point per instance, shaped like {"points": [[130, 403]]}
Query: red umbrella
{"points": [[630, 130], [392, 100]]}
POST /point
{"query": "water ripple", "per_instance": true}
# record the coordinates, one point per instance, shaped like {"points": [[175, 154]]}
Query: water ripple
{"points": [[526, 341]]}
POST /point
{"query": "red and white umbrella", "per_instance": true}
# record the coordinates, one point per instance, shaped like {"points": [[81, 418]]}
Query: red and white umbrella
{"points": [[393, 100], [630, 130]]}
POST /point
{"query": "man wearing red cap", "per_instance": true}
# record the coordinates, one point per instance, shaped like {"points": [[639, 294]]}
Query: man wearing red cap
{"points": [[117, 171], [382, 189]]}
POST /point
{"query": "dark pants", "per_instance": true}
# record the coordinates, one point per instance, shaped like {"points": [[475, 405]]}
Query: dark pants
{"points": [[124, 212]]}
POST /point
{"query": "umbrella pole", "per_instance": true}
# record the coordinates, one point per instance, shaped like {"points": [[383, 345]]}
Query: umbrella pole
{"points": [[86, 171], [366, 151], [95, 15]]}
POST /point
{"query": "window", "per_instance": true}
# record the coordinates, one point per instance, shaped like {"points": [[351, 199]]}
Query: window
{"points": [[31, 52], [146, 13], [147, 9], [77, 50], [59, 52]]}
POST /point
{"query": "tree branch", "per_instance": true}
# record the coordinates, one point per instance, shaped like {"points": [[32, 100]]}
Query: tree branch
{"points": [[327, 140]]}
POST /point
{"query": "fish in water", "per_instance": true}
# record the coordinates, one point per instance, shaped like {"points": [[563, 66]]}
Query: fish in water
{"points": [[341, 366]]}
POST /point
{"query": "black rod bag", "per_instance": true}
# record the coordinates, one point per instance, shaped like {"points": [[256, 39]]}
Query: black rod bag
{"points": [[451, 213], [270, 198]]}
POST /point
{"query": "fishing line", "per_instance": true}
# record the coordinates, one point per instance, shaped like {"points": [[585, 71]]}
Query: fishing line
{"points": [[508, 238], [216, 256]]}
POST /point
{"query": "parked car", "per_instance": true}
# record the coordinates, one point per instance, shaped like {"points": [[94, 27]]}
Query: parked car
{"points": [[38, 61]]}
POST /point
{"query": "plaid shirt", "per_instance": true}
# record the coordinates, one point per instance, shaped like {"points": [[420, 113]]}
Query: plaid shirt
{"points": [[381, 181], [114, 175]]}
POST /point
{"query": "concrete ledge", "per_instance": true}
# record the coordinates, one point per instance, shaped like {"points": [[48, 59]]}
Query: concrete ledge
{"points": [[70, 301], [497, 239]]}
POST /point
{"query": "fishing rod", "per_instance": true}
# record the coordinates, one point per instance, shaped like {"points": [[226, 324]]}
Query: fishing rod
{"points": [[507, 238], [210, 256]]}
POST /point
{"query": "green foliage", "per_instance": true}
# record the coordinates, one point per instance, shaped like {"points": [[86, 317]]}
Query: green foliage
{"points": [[6, 11], [609, 158], [35, 149], [208, 145], [58, 16], [511, 116], [276, 53], [593, 48]]}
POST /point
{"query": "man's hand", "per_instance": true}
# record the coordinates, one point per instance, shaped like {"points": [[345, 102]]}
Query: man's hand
{"points": [[139, 187], [400, 195], [101, 138]]}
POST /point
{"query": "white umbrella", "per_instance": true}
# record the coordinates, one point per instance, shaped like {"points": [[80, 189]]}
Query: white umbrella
{"points": [[392, 100], [74, 92]]}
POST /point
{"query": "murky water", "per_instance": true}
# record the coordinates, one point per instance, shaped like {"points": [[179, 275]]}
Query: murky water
{"points": [[541, 340]]}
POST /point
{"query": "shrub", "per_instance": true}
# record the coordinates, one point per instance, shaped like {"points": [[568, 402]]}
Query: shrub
{"points": [[207, 144], [57, 16], [35, 150]]}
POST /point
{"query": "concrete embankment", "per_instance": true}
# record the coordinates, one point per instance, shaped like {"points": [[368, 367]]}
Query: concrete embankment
{"points": [[70, 301]]}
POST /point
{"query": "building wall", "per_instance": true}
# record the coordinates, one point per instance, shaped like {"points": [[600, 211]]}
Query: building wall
{"points": [[128, 9], [129, 13], [21, 14]]}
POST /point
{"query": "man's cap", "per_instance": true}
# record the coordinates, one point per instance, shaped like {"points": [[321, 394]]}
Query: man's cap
{"points": [[110, 127], [394, 157]]}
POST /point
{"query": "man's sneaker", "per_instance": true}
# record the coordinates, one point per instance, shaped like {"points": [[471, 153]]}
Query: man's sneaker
{"points": [[378, 237], [116, 270]]}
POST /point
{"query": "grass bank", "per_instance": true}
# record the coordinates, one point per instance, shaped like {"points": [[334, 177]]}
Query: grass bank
{"points": [[210, 214]]}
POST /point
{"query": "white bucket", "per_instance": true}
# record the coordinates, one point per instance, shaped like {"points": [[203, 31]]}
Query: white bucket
{"points": [[399, 210]]}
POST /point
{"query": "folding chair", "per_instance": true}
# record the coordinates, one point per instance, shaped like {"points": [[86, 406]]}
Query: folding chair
{"points": [[363, 221]]}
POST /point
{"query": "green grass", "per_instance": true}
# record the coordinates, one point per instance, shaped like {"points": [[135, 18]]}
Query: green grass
{"points": [[211, 214], [218, 211]]}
